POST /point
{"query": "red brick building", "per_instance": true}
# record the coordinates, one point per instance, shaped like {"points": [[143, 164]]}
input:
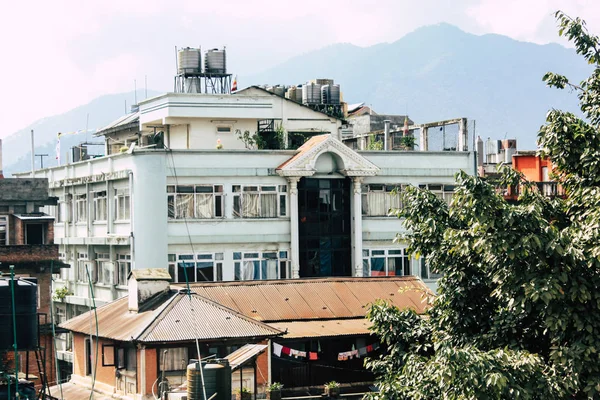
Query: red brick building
{"points": [[27, 243]]}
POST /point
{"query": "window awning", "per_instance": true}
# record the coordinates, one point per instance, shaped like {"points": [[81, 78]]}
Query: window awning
{"points": [[323, 328], [35, 216], [244, 354]]}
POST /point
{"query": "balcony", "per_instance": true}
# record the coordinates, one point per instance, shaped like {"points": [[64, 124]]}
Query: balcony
{"points": [[548, 189]]}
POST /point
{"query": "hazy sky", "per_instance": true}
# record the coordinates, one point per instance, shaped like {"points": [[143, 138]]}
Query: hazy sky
{"points": [[59, 54]]}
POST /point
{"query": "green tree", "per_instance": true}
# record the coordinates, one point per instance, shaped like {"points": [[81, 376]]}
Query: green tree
{"points": [[518, 310]]}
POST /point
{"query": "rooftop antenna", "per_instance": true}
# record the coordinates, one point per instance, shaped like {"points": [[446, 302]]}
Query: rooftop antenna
{"points": [[125, 106], [145, 86], [32, 154], [135, 91], [41, 156], [87, 120]]}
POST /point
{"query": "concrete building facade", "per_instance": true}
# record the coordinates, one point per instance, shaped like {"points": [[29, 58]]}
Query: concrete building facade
{"points": [[233, 212]]}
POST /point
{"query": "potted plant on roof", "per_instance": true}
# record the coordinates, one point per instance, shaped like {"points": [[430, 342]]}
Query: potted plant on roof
{"points": [[332, 389], [274, 391], [243, 394], [408, 142]]}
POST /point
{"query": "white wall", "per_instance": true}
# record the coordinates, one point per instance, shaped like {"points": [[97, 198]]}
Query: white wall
{"points": [[149, 211]]}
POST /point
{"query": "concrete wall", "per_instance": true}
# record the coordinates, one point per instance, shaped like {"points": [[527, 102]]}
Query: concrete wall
{"points": [[22, 190], [149, 211]]}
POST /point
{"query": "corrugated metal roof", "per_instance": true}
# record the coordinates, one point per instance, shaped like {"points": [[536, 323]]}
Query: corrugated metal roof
{"points": [[324, 328], [131, 118], [171, 321], [244, 354], [313, 299]]}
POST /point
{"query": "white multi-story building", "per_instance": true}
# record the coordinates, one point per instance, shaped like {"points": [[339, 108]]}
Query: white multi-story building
{"points": [[208, 208]]}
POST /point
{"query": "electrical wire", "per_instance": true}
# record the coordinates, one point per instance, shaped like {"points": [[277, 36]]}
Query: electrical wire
{"points": [[54, 335], [187, 283], [87, 271]]}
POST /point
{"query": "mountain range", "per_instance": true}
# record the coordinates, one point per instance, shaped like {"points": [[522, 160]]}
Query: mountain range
{"points": [[434, 73]]}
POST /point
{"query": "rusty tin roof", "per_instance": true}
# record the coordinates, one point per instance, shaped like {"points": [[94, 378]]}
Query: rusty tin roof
{"points": [[178, 318], [314, 299]]}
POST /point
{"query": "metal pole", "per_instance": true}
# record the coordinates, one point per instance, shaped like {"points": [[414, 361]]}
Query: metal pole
{"points": [[32, 155]]}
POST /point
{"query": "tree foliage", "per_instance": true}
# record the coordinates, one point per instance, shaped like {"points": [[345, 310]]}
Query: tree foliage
{"points": [[518, 310]]}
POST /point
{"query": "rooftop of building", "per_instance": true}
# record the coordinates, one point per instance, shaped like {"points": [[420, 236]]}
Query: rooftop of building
{"points": [[315, 298], [174, 319]]}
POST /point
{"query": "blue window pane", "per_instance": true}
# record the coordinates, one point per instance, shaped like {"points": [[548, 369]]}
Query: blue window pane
{"points": [[237, 256], [377, 266], [256, 269]]}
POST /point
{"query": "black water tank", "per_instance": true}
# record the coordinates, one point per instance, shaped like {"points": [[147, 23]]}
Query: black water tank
{"points": [[217, 379], [25, 314]]}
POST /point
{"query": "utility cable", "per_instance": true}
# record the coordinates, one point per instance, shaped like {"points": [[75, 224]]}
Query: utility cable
{"points": [[54, 334], [187, 283], [87, 271]]}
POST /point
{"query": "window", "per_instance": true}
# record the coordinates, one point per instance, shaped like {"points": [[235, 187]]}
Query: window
{"points": [[199, 268], [82, 260], [253, 266], [223, 129], [100, 206], [3, 230], [386, 262], [173, 359], [126, 358], [259, 201], [34, 233], [426, 272], [124, 264], [105, 269], [379, 199], [109, 358], [122, 204], [284, 266], [195, 201], [61, 211], [81, 207], [443, 192]]}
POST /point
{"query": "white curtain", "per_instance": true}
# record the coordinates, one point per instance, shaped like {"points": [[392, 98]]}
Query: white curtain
{"points": [[377, 204], [250, 205], [184, 205], [269, 269], [268, 205], [175, 359], [394, 201], [204, 206], [248, 270]]}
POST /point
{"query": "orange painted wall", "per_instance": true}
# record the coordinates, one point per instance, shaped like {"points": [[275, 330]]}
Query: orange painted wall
{"points": [[151, 369], [531, 166], [262, 368], [78, 354], [103, 374]]}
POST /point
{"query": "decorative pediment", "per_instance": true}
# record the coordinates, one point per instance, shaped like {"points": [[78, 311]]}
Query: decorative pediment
{"points": [[348, 162]]}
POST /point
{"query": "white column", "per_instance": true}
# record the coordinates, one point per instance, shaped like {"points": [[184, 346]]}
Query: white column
{"points": [[357, 239], [424, 139], [294, 236]]}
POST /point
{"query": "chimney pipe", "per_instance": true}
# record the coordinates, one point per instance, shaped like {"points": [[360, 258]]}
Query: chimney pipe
{"points": [[386, 133], [32, 154]]}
